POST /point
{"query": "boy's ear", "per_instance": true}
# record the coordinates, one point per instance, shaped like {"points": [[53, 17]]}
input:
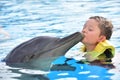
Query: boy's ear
{"points": [[102, 38]]}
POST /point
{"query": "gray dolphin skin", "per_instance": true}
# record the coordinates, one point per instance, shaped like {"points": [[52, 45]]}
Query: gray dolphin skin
{"points": [[41, 51]]}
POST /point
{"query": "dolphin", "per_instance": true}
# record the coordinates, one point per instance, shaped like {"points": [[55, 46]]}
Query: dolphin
{"points": [[40, 52]]}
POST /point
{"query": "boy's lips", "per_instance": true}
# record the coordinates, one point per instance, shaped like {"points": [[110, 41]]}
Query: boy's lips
{"points": [[83, 34]]}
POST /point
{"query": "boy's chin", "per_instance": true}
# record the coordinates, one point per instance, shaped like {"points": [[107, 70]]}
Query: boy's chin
{"points": [[83, 42]]}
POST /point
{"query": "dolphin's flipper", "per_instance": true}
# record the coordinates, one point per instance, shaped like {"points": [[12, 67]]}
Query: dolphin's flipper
{"points": [[62, 67]]}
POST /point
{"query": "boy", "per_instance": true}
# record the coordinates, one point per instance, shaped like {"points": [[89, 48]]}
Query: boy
{"points": [[97, 31]]}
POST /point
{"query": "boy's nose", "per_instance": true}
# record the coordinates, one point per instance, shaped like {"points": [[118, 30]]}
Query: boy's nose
{"points": [[83, 31]]}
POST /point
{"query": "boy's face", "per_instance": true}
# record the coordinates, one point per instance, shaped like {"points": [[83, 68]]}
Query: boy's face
{"points": [[91, 32]]}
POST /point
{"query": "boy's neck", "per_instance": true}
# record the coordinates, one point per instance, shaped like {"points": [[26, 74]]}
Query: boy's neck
{"points": [[89, 48]]}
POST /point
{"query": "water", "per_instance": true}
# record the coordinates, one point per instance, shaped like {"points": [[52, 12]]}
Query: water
{"points": [[25, 19]]}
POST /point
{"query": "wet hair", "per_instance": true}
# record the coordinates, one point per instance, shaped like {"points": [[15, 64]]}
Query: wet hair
{"points": [[104, 25]]}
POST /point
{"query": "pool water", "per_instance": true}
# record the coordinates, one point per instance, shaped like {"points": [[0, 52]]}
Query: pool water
{"points": [[26, 19]]}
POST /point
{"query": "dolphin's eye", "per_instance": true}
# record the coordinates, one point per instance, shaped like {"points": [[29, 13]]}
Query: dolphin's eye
{"points": [[28, 57], [32, 56]]}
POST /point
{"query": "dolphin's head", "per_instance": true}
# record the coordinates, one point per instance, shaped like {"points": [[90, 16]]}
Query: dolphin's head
{"points": [[41, 51]]}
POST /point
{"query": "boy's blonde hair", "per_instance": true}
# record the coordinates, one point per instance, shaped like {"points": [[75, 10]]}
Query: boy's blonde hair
{"points": [[104, 25]]}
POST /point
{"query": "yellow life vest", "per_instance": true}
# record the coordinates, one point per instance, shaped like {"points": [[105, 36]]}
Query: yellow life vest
{"points": [[99, 52]]}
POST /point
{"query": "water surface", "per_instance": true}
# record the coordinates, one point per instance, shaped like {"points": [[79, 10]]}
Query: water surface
{"points": [[25, 19]]}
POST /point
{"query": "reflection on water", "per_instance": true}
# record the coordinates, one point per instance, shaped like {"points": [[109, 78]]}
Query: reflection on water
{"points": [[25, 19]]}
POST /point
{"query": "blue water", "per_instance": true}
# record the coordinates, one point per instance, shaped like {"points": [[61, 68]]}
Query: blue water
{"points": [[25, 19]]}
